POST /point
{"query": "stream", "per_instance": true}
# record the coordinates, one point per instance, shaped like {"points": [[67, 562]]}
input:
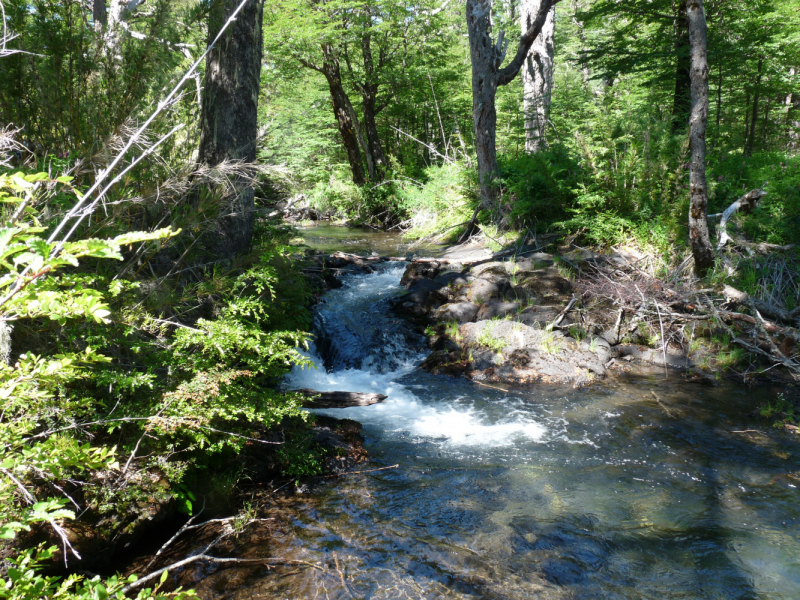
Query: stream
{"points": [[642, 486]]}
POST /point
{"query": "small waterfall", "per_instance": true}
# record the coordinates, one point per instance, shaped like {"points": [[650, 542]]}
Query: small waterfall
{"points": [[361, 347]]}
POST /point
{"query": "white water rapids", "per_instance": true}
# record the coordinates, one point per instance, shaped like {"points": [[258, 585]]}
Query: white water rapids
{"points": [[357, 311]]}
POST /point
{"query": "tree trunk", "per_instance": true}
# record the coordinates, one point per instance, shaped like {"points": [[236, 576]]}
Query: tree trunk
{"points": [[719, 99], [99, 15], [486, 57], [792, 105], [698, 210], [537, 76], [681, 102], [343, 110], [751, 136], [229, 113], [369, 97]]}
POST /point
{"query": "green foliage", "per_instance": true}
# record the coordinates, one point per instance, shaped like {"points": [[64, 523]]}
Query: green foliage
{"points": [[24, 581], [442, 204], [301, 456], [783, 411], [218, 392], [487, 338], [537, 188]]}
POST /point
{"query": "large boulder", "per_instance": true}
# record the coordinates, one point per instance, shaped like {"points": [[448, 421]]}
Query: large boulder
{"points": [[509, 351], [461, 312]]}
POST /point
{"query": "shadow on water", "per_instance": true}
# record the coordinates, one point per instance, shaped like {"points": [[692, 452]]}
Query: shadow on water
{"points": [[640, 487]]}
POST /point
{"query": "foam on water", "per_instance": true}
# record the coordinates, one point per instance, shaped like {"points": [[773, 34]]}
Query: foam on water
{"points": [[446, 421]]}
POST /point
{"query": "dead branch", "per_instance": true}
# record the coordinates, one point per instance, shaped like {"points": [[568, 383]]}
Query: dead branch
{"points": [[557, 321], [793, 367], [774, 312], [746, 203]]}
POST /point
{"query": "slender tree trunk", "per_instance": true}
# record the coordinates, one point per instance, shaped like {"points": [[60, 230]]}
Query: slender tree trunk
{"points": [[746, 117], [698, 211], [751, 136], [369, 97], [537, 76], [343, 110], [792, 104], [229, 113], [487, 57], [719, 97], [681, 101]]}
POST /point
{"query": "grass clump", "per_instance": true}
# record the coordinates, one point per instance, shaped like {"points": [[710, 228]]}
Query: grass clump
{"points": [[487, 338]]}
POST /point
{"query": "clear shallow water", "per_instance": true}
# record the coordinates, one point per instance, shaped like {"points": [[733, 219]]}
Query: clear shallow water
{"points": [[637, 488]]}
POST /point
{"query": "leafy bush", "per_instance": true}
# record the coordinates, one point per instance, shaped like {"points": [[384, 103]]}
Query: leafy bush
{"points": [[441, 204], [538, 188], [93, 376]]}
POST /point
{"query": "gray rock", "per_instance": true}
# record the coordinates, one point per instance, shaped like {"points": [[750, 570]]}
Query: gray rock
{"points": [[494, 309], [463, 312], [483, 291]]}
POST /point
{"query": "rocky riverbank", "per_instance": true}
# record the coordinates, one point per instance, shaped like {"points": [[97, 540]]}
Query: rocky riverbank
{"points": [[542, 318]]}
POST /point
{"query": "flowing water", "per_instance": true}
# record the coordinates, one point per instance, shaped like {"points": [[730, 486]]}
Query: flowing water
{"points": [[645, 487]]}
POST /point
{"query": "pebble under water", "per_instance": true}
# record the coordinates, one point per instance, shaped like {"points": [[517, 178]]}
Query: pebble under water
{"points": [[639, 487]]}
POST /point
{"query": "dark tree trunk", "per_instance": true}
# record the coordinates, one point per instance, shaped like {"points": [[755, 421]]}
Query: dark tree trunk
{"points": [[486, 57], [751, 136], [229, 113], [369, 98], [698, 210], [343, 110], [99, 15], [681, 102], [746, 117]]}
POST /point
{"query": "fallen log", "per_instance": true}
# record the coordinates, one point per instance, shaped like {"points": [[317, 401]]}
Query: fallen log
{"points": [[774, 312], [317, 399]]}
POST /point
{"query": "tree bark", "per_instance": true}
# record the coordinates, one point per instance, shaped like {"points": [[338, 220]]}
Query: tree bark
{"points": [[99, 15], [339, 399], [229, 114], [699, 237], [751, 136], [369, 98], [792, 126], [537, 76], [343, 110], [681, 102], [486, 57], [582, 38]]}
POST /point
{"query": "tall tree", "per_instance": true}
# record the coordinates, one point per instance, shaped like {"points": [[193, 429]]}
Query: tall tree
{"points": [[698, 210], [537, 75], [346, 119], [487, 56], [229, 113]]}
